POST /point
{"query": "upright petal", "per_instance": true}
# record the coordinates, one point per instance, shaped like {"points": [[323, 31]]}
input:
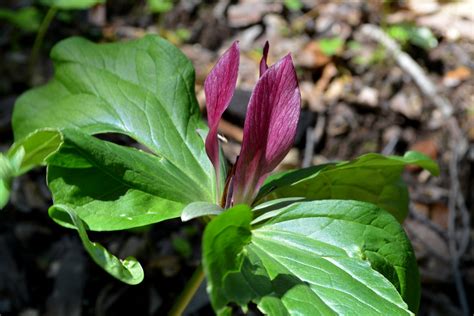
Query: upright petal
{"points": [[219, 88], [263, 61], [269, 130]]}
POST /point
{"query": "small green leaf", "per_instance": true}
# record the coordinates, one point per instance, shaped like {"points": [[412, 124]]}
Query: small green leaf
{"points": [[71, 4], [399, 32], [18, 159], [4, 193], [199, 209], [10, 164], [25, 154], [27, 19], [371, 178], [160, 6], [419, 36], [331, 46], [38, 147], [328, 257], [293, 5], [182, 246], [423, 37], [9, 168], [128, 270]]}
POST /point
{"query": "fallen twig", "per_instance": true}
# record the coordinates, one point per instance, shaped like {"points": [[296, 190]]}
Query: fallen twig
{"points": [[313, 137], [457, 248], [410, 66], [427, 222]]}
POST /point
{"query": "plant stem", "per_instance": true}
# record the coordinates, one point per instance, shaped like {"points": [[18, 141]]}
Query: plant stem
{"points": [[188, 293], [40, 37]]}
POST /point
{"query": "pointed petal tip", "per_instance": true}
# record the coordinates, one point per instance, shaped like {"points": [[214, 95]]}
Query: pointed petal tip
{"points": [[288, 58], [266, 47], [235, 45], [219, 88], [263, 61], [270, 127]]}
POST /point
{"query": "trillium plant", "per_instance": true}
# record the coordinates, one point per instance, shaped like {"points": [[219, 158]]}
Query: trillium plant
{"points": [[322, 240]]}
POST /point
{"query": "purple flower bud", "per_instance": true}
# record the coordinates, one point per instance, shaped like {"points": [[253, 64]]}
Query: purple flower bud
{"points": [[219, 88], [270, 123]]}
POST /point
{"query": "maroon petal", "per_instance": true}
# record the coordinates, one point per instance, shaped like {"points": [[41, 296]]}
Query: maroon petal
{"points": [[270, 128], [263, 61], [219, 88]]}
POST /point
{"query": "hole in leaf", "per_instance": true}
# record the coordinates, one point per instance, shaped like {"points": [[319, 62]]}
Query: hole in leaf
{"points": [[123, 140]]}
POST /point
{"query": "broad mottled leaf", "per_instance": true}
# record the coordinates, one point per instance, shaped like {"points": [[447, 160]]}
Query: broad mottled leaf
{"points": [[143, 89], [127, 270], [327, 257], [371, 178], [115, 187]]}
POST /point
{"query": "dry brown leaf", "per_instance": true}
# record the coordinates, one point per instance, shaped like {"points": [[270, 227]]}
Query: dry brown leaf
{"points": [[454, 77]]}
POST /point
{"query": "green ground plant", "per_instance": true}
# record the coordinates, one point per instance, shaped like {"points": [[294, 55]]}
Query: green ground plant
{"points": [[323, 240]]}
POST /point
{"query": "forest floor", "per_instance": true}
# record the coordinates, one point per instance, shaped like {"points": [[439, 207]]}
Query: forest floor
{"points": [[359, 95]]}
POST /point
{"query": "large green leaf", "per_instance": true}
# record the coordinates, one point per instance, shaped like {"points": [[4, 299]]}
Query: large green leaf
{"points": [[143, 89], [127, 270], [371, 178], [329, 257], [114, 187]]}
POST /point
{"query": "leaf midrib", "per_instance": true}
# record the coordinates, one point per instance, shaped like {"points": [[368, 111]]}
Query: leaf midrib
{"points": [[330, 262], [113, 175]]}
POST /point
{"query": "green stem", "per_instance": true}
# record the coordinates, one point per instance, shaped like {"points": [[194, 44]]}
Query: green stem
{"points": [[40, 37], [188, 293]]}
